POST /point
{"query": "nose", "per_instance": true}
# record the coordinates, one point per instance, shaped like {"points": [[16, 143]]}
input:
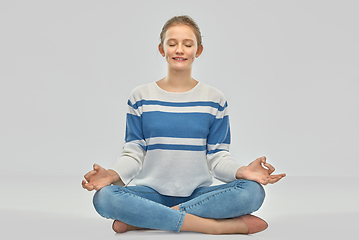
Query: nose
{"points": [[179, 49]]}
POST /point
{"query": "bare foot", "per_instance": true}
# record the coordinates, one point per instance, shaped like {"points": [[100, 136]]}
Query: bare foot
{"points": [[121, 227], [247, 224], [231, 226], [254, 224]]}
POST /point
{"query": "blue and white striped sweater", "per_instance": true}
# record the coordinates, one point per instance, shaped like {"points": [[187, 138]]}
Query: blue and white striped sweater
{"points": [[174, 141]]}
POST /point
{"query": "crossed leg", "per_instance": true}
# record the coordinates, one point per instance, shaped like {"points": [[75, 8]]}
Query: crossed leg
{"points": [[245, 224]]}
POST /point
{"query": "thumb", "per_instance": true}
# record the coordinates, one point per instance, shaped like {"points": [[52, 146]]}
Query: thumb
{"points": [[96, 167]]}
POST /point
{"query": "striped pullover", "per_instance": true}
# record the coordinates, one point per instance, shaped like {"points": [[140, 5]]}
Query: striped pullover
{"points": [[176, 142]]}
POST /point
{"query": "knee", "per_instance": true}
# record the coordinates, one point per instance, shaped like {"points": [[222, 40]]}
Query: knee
{"points": [[102, 200], [255, 194], [258, 194]]}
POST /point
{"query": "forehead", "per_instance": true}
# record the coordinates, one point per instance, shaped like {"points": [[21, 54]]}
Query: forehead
{"points": [[180, 32]]}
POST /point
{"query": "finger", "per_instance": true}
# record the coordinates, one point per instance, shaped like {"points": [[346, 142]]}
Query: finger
{"points": [[89, 174], [263, 160], [271, 169], [96, 167], [276, 178], [88, 187], [260, 160], [280, 175], [84, 184]]}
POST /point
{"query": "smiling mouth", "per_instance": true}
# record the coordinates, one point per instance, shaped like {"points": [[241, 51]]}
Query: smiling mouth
{"points": [[180, 59]]}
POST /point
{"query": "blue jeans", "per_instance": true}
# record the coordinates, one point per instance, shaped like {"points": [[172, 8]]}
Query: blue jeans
{"points": [[143, 207]]}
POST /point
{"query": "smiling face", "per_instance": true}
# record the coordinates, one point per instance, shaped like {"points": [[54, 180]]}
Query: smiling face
{"points": [[180, 47]]}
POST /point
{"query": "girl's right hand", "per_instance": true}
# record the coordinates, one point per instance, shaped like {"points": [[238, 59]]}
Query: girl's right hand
{"points": [[99, 178]]}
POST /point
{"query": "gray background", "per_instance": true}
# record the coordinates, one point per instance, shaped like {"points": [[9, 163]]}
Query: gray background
{"points": [[289, 70]]}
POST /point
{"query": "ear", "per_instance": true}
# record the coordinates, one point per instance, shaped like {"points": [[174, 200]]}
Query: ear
{"points": [[160, 48], [199, 51]]}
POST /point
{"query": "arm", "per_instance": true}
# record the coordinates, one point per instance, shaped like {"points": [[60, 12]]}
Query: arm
{"points": [[222, 164], [224, 167], [129, 163], [259, 171]]}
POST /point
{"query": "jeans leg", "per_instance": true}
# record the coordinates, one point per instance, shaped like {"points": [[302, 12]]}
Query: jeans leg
{"points": [[121, 203], [230, 200]]}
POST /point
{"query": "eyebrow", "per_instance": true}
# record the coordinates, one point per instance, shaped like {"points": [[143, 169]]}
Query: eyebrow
{"points": [[173, 39]]}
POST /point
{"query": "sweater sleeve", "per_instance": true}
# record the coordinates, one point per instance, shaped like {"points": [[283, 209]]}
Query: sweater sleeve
{"points": [[129, 163], [221, 163]]}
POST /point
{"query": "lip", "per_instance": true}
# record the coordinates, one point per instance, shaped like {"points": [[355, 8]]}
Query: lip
{"points": [[179, 59]]}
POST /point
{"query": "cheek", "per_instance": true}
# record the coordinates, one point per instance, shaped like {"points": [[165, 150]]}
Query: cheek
{"points": [[168, 52], [193, 53]]}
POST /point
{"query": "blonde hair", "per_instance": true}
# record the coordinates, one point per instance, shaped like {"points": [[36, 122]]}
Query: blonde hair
{"points": [[182, 20]]}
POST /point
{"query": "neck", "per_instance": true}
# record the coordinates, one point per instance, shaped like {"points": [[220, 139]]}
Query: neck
{"points": [[178, 81], [179, 78]]}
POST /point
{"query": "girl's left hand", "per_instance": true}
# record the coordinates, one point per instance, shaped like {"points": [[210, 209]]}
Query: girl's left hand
{"points": [[259, 171]]}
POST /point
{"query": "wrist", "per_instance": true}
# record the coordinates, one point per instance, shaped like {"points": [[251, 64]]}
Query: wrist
{"points": [[239, 173], [113, 175]]}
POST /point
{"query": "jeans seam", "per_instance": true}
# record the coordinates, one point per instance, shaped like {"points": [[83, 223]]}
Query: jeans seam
{"points": [[240, 183], [200, 193], [224, 190], [134, 195], [142, 191], [180, 220], [139, 191]]}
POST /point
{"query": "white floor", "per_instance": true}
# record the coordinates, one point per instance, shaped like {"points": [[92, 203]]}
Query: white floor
{"points": [[56, 207]]}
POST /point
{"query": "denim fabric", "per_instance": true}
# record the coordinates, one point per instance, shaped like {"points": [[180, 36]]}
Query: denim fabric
{"points": [[144, 207]]}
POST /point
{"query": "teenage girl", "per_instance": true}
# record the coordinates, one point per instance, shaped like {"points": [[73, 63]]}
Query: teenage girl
{"points": [[177, 139]]}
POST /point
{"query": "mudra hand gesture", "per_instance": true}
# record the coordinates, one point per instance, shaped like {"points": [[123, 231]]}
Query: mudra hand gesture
{"points": [[98, 178], [259, 171]]}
